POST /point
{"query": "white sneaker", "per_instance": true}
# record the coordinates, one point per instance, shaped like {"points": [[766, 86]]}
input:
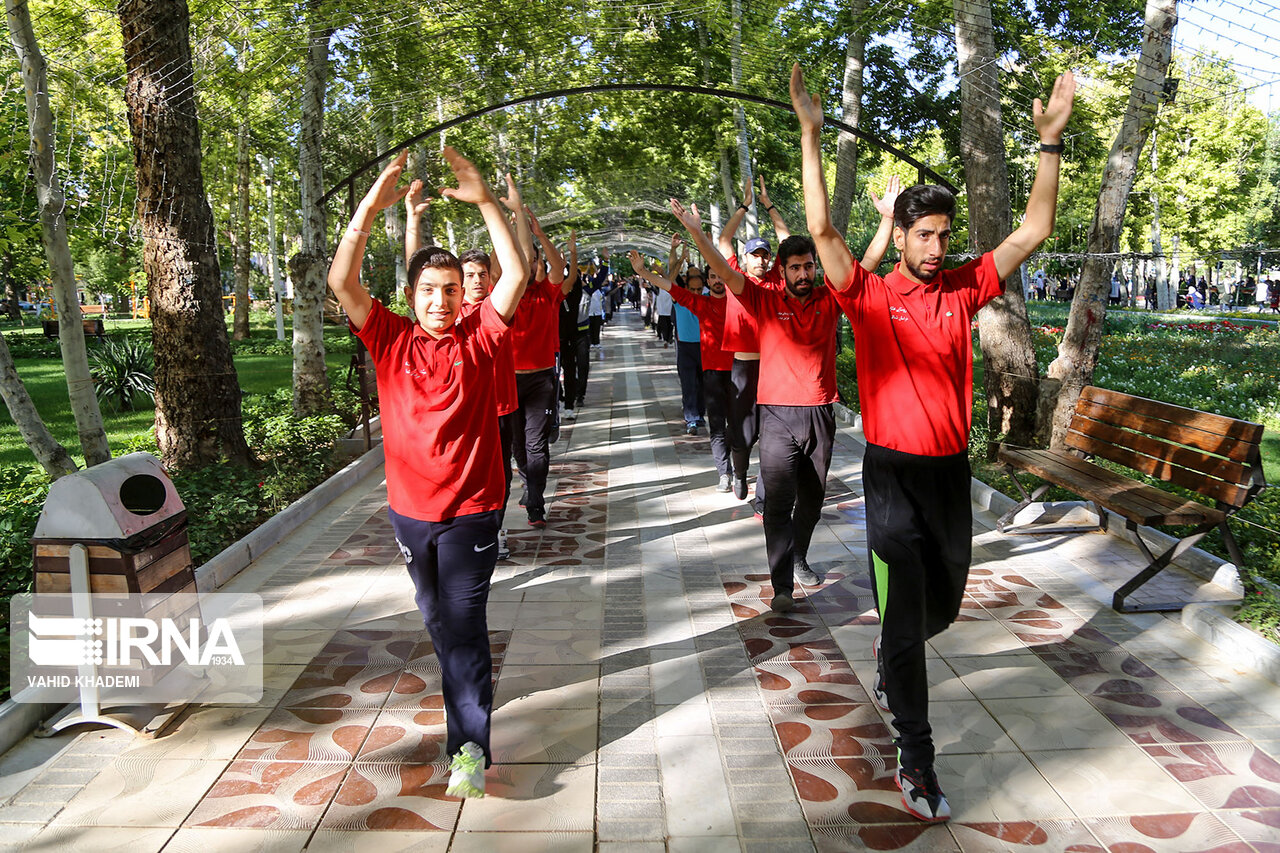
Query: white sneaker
{"points": [[504, 552], [466, 777], [569, 415]]}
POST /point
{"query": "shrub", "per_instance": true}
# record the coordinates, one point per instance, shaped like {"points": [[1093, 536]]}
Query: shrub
{"points": [[121, 370]]}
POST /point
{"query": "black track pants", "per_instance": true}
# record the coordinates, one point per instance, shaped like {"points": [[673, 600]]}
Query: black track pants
{"points": [[920, 538], [795, 453]]}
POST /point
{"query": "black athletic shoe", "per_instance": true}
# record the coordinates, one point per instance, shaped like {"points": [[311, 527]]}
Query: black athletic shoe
{"points": [[804, 574], [537, 518], [691, 429], [879, 691], [740, 488], [782, 603], [921, 795]]}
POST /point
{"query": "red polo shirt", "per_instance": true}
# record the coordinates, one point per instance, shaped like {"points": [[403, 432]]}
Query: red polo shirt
{"points": [[914, 348], [535, 329], [504, 370], [797, 344], [710, 311], [739, 327], [437, 402]]}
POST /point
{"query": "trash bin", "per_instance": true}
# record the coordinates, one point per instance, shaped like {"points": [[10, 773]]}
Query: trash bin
{"points": [[128, 515]]}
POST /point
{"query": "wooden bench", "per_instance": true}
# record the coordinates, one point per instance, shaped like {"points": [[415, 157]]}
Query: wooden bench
{"points": [[93, 327], [1215, 456]]}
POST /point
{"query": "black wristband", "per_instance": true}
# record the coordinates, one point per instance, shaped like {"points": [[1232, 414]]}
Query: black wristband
{"points": [[742, 206], [769, 208], [1053, 149]]}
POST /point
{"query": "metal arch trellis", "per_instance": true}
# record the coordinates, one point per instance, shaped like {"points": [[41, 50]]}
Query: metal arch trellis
{"points": [[349, 181]]}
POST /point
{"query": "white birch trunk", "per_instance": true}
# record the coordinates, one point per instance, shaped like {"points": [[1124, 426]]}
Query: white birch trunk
{"points": [[745, 174], [241, 237], [308, 267], [851, 104], [53, 232], [51, 455]]}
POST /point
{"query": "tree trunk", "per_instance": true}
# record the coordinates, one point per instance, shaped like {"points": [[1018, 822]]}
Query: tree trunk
{"points": [[416, 167], [1078, 352], [244, 172], [393, 219], [53, 232], [51, 455], [277, 284], [197, 394], [12, 300], [846, 143], [309, 267], [740, 119], [1011, 375], [1162, 294]]}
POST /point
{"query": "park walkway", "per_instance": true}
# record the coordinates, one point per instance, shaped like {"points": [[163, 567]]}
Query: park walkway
{"points": [[647, 700]]}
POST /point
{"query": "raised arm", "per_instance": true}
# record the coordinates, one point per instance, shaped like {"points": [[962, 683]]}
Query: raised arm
{"points": [[779, 224], [837, 260], [1042, 203], [874, 254], [692, 223], [725, 243], [555, 260], [415, 204], [344, 271], [472, 189], [637, 264], [572, 278], [524, 237]]}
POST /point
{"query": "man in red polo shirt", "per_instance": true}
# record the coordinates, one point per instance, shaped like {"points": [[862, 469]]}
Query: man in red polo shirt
{"points": [[796, 325], [915, 379], [444, 478], [536, 340], [717, 363]]}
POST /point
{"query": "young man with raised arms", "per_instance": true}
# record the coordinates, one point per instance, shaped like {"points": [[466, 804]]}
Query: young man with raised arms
{"points": [[444, 480], [796, 324], [716, 361], [915, 378]]}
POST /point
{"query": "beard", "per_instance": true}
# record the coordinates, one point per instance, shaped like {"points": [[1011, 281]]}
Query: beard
{"points": [[800, 288]]}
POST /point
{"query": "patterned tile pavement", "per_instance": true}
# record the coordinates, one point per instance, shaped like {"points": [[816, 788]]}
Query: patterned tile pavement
{"points": [[647, 699]]}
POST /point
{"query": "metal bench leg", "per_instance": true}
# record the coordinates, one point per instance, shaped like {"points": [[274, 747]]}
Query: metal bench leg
{"points": [[1027, 500], [1155, 565]]}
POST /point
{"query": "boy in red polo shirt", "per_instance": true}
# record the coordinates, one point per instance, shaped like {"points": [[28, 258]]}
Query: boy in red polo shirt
{"points": [[915, 379], [717, 363], [444, 476], [536, 340]]}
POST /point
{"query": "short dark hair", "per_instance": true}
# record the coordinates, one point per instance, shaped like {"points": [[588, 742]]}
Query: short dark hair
{"points": [[923, 200], [435, 258], [474, 256], [796, 244]]}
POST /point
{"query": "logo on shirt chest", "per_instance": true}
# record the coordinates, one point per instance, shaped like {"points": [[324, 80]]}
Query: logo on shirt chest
{"points": [[898, 314]]}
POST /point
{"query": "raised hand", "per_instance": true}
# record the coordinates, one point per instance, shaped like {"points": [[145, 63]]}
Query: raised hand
{"points": [[689, 218], [415, 202], [471, 186], [637, 262], [884, 204], [535, 225], [808, 107], [748, 192], [764, 194], [512, 200], [676, 240], [384, 192], [1050, 121]]}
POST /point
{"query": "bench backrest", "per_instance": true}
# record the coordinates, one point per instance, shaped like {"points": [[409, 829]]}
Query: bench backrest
{"points": [[1217, 456]]}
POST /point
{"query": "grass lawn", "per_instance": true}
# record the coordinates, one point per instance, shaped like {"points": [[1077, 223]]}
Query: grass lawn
{"points": [[258, 373]]}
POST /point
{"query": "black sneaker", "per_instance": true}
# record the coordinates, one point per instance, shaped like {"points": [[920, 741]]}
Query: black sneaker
{"points": [[782, 603], [921, 795], [804, 574], [879, 691], [691, 429], [537, 518], [740, 488]]}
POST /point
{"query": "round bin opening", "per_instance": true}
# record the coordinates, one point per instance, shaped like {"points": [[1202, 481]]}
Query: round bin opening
{"points": [[142, 494]]}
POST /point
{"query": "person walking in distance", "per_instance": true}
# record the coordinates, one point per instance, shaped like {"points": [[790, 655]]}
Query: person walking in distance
{"points": [[915, 379]]}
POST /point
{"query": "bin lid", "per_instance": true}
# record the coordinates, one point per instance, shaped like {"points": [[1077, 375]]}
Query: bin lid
{"points": [[117, 499]]}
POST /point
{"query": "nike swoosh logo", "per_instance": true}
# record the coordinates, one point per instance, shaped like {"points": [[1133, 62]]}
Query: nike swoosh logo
{"points": [[485, 548]]}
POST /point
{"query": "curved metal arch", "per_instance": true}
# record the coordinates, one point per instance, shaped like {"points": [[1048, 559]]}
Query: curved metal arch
{"points": [[349, 181]]}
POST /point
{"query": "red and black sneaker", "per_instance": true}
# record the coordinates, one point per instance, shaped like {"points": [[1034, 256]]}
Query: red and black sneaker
{"points": [[537, 518], [921, 795]]}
